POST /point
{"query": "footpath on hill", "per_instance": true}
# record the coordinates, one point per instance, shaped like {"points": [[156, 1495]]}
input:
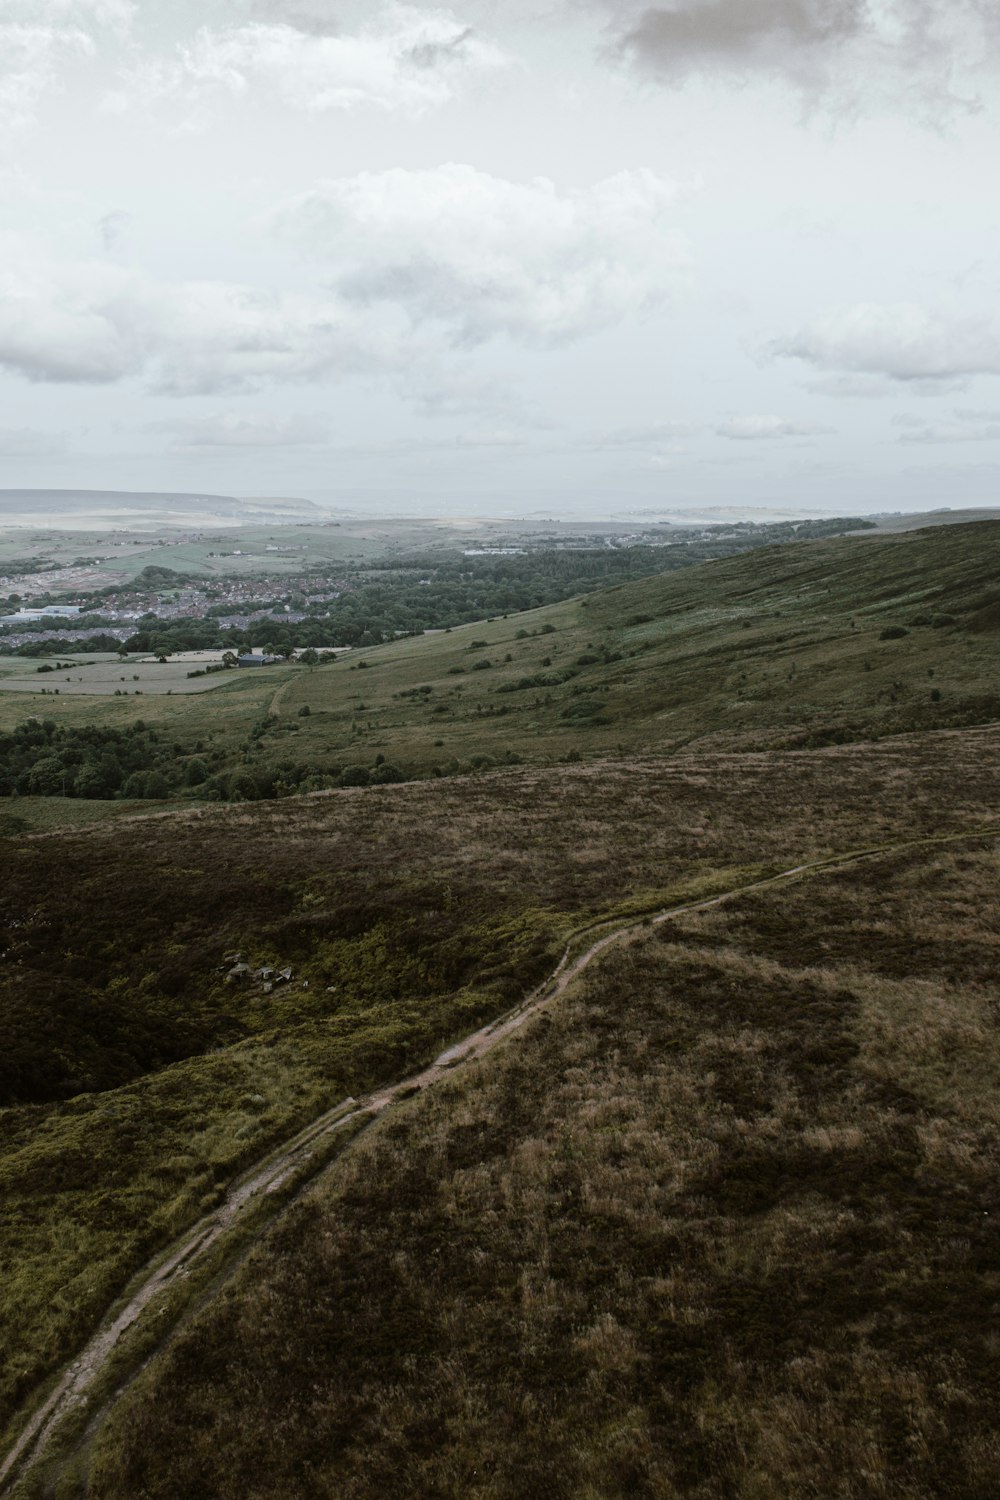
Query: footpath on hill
{"points": [[194, 1267]]}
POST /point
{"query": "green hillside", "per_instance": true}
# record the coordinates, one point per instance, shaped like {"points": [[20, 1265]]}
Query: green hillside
{"points": [[807, 644], [801, 645]]}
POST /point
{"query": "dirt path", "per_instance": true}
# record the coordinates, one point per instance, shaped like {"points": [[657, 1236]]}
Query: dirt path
{"points": [[278, 696], [292, 1160]]}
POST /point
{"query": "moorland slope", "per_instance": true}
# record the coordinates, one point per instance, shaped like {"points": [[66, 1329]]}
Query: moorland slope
{"points": [[680, 1226]]}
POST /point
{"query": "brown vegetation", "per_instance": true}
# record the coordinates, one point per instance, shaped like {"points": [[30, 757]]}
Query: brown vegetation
{"points": [[723, 1223]]}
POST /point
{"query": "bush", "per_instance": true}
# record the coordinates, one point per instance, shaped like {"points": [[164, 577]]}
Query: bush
{"points": [[386, 774], [355, 776]]}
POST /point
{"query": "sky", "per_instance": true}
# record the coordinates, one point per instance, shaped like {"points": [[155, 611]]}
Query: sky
{"points": [[577, 257]]}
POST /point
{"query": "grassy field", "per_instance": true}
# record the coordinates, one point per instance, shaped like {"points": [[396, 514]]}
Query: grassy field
{"points": [[106, 675], [723, 1224]]}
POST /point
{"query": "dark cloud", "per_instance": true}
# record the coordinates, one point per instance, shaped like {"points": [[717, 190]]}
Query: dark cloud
{"points": [[433, 54], [925, 53], [693, 36]]}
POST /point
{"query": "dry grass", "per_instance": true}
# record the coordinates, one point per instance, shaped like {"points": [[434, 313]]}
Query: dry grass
{"points": [[723, 1224]]}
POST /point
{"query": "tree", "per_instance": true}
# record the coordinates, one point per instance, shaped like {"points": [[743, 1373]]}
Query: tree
{"points": [[48, 777]]}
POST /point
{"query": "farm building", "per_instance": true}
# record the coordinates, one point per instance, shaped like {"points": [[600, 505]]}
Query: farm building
{"points": [[256, 659]]}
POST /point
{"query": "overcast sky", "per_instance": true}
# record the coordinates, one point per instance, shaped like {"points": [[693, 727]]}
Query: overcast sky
{"points": [[574, 257]]}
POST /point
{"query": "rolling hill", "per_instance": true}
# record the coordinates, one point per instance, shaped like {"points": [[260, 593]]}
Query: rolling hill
{"points": [[719, 1220]]}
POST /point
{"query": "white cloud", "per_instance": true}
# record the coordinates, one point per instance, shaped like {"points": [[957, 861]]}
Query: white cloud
{"points": [[30, 58], [901, 341], [38, 38], [480, 256], [406, 59], [961, 427], [758, 426], [859, 51], [231, 429], [118, 15], [420, 263], [97, 323]]}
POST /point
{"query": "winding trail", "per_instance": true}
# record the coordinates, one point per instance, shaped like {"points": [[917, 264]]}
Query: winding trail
{"points": [[295, 1161]]}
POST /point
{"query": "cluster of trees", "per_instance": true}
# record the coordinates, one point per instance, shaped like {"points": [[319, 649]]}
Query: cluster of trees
{"points": [[41, 759]]}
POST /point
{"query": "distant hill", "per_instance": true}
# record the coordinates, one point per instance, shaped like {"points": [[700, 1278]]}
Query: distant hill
{"points": [[94, 509], [915, 520]]}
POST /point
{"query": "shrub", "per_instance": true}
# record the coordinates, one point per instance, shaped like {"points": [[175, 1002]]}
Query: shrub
{"points": [[355, 776]]}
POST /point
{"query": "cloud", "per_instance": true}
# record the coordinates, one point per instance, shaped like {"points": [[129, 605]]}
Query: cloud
{"points": [[93, 322], [923, 52], [28, 442], [755, 428], [37, 39], [962, 427], [900, 341], [651, 436], [421, 264], [230, 429], [314, 17], [30, 58], [856, 387], [406, 59], [701, 33], [111, 228], [479, 256]]}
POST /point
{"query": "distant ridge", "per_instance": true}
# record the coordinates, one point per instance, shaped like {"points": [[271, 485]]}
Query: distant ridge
{"points": [[97, 509]]}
